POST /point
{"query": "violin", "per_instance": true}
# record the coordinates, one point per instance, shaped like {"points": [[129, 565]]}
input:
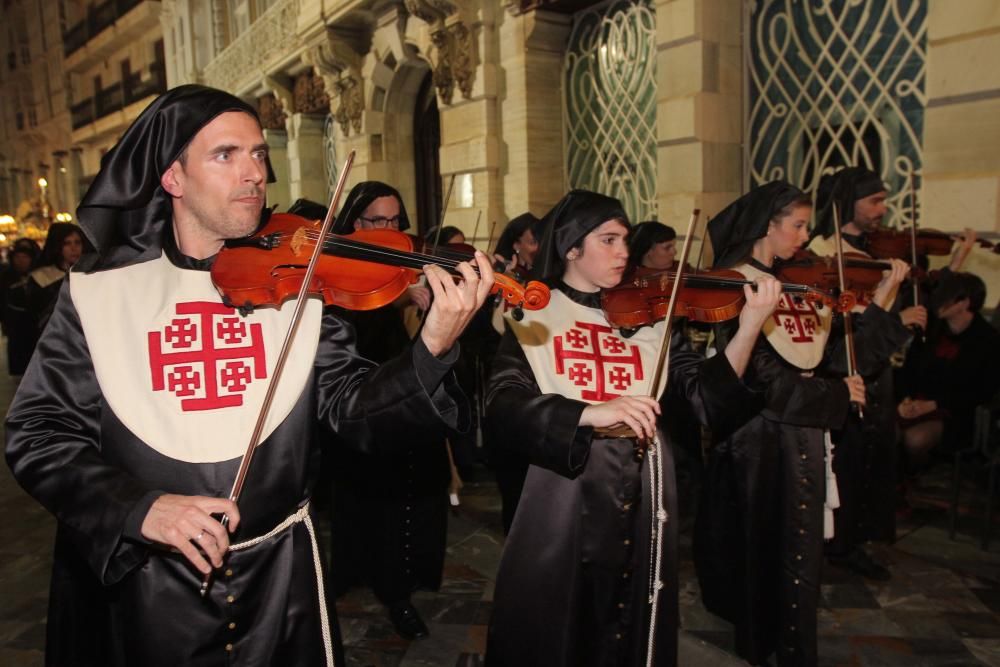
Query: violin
{"points": [[704, 296], [861, 274], [886, 243], [362, 271]]}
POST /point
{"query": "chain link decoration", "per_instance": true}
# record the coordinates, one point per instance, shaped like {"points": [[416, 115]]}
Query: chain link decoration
{"points": [[609, 104], [330, 154], [835, 83]]}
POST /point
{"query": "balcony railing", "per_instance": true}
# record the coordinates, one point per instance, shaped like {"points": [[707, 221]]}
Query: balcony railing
{"points": [[98, 18], [119, 95], [82, 113]]}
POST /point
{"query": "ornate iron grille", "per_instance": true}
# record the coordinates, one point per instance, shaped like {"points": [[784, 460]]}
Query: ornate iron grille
{"points": [[609, 104], [834, 83], [330, 155]]}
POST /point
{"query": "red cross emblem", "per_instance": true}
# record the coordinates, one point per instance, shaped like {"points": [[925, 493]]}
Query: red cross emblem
{"points": [[207, 356], [595, 359], [798, 319]]}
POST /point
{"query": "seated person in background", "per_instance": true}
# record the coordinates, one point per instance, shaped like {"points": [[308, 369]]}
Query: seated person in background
{"points": [[946, 376]]}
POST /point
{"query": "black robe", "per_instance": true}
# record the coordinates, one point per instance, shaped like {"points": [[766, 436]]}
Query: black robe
{"points": [[390, 516], [763, 497], [573, 583], [71, 452], [866, 463]]}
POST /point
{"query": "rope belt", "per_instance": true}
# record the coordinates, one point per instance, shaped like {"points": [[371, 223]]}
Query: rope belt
{"points": [[302, 516]]}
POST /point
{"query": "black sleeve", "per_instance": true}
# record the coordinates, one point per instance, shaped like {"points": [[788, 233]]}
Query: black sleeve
{"points": [[878, 334], [54, 451], [789, 396], [716, 395], [542, 427], [386, 405]]}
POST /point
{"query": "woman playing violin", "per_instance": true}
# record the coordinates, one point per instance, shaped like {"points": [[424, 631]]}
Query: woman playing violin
{"points": [[574, 580], [765, 488]]}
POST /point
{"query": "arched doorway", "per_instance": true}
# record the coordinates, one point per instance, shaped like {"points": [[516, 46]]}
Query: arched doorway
{"points": [[426, 156]]}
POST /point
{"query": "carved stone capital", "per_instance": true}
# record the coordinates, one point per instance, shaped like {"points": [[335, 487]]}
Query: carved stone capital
{"points": [[350, 93], [272, 116], [337, 61], [452, 34], [432, 12], [455, 60], [309, 94], [463, 55]]}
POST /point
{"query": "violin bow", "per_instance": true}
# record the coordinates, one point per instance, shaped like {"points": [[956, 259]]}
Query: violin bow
{"points": [[659, 377], [913, 236], [663, 358], [852, 360], [701, 248], [437, 237], [286, 346]]}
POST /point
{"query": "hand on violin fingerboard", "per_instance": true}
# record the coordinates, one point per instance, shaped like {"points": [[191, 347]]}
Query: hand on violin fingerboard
{"points": [[454, 303], [760, 303], [886, 290]]}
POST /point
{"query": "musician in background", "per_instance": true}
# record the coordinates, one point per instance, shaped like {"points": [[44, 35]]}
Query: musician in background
{"points": [[390, 516], [865, 461], [137, 407], [573, 588]]}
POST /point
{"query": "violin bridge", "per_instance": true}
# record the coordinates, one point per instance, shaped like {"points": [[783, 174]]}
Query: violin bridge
{"points": [[298, 240]]}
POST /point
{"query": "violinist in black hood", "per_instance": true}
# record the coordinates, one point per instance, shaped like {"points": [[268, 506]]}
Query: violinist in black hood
{"points": [[573, 588]]}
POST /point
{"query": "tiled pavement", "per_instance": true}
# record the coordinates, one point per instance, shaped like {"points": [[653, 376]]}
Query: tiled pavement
{"points": [[941, 608]]}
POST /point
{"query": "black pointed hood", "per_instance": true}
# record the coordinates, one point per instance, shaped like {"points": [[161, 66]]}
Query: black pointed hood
{"points": [[358, 199], [842, 189], [735, 229], [125, 209], [576, 215]]}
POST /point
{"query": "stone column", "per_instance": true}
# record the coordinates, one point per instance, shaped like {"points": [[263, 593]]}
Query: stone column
{"points": [[470, 137], [961, 171], [532, 47], [279, 192], [305, 157], [699, 80]]}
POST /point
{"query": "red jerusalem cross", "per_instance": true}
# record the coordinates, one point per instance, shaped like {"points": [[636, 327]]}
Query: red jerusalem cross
{"points": [[790, 314], [221, 359], [587, 344]]}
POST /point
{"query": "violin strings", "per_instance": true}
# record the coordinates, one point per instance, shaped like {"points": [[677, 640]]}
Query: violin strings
{"points": [[442, 251], [721, 281], [399, 257]]}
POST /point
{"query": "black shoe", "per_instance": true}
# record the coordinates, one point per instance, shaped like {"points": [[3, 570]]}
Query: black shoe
{"points": [[861, 563], [407, 621]]}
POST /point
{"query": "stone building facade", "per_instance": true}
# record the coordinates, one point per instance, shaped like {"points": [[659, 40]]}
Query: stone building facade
{"points": [[472, 99], [77, 74]]}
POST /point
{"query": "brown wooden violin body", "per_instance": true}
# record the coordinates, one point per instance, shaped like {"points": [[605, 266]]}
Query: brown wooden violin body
{"points": [[884, 243], [704, 296], [361, 271], [861, 274]]}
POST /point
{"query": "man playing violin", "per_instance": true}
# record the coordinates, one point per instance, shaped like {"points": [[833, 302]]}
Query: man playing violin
{"points": [[865, 463], [133, 415], [575, 577]]}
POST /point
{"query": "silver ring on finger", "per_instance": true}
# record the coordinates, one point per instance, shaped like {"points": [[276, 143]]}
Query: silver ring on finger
{"points": [[201, 534]]}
